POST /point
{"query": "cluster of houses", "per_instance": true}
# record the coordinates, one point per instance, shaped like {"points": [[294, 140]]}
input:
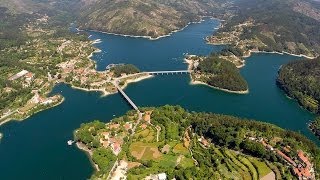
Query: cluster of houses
{"points": [[114, 142], [38, 99], [28, 77], [301, 165], [84, 74], [160, 176]]}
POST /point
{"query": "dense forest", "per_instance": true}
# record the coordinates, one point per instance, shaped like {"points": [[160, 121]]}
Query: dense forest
{"points": [[221, 73], [124, 69], [232, 152], [301, 80]]}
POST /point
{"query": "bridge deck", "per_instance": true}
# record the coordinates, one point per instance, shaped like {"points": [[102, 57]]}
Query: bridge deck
{"points": [[164, 72], [126, 97], [151, 72]]}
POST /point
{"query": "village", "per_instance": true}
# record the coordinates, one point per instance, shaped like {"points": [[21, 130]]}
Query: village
{"points": [[298, 161], [59, 60]]}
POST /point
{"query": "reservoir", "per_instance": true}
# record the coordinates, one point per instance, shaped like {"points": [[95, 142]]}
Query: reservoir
{"points": [[36, 148]]}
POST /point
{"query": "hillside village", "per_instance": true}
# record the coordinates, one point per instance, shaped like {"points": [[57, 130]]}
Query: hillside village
{"points": [[47, 60], [152, 150]]}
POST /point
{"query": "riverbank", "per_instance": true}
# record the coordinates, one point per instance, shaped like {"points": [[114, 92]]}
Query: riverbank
{"points": [[102, 90], [249, 53], [193, 82], [140, 78], [89, 153], [150, 37], [15, 118]]}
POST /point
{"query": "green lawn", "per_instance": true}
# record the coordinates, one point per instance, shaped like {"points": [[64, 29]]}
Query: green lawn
{"points": [[180, 149], [186, 162]]}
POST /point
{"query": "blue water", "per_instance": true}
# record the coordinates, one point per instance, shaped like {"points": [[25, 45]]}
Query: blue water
{"points": [[36, 148], [163, 54]]}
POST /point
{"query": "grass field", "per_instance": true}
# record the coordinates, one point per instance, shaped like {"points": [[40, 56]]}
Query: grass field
{"points": [[147, 135], [145, 151], [186, 162], [180, 149]]}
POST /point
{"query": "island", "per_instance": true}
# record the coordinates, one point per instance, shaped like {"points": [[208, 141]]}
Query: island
{"points": [[217, 72], [169, 142], [301, 80], [315, 126]]}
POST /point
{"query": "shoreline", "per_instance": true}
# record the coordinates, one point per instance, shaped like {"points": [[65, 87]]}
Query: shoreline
{"points": [[89, 153], [141, 78], [102, 91], [276, 52], [193, 82], [150, 37], [8, 119]]}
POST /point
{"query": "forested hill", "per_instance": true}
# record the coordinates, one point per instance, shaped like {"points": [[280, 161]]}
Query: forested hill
{"points": [[152, 18], [273, 25], [301, 80]]}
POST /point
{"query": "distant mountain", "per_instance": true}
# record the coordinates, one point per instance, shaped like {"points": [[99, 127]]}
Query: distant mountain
{"points": [[152, 18]]}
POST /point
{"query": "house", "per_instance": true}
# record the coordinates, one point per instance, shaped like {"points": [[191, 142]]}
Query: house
{"points": [[203, 141], [147, 116], [165, 149], [105, 143], [47, 101], [18, 75], [304, 159], [127, 126], [29, 76], [302, 173], [286, 149], [114, 126], [162, 176], [116, 147], [105, 135], [281, 154], [143, 126]]}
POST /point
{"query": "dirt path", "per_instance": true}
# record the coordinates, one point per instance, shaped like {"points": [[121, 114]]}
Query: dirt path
{"points": [[270, 176]]}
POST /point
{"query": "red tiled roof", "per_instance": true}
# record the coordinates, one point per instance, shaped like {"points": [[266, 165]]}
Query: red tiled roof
{"points": [[297, 172], [263, 143], [303, 158], [29, 75], [286, 157]]}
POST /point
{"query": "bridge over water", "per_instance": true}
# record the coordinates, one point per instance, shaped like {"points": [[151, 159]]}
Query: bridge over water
{"points": [[169, 72], [126, 97], [134, 106]]}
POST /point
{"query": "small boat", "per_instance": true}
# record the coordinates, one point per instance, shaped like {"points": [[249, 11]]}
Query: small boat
{"points": [[114, 115], [70, 142]]}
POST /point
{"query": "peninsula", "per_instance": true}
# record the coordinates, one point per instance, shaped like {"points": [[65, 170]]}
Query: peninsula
{"points": [[170, 142], [301, 80], [216, 72]]}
